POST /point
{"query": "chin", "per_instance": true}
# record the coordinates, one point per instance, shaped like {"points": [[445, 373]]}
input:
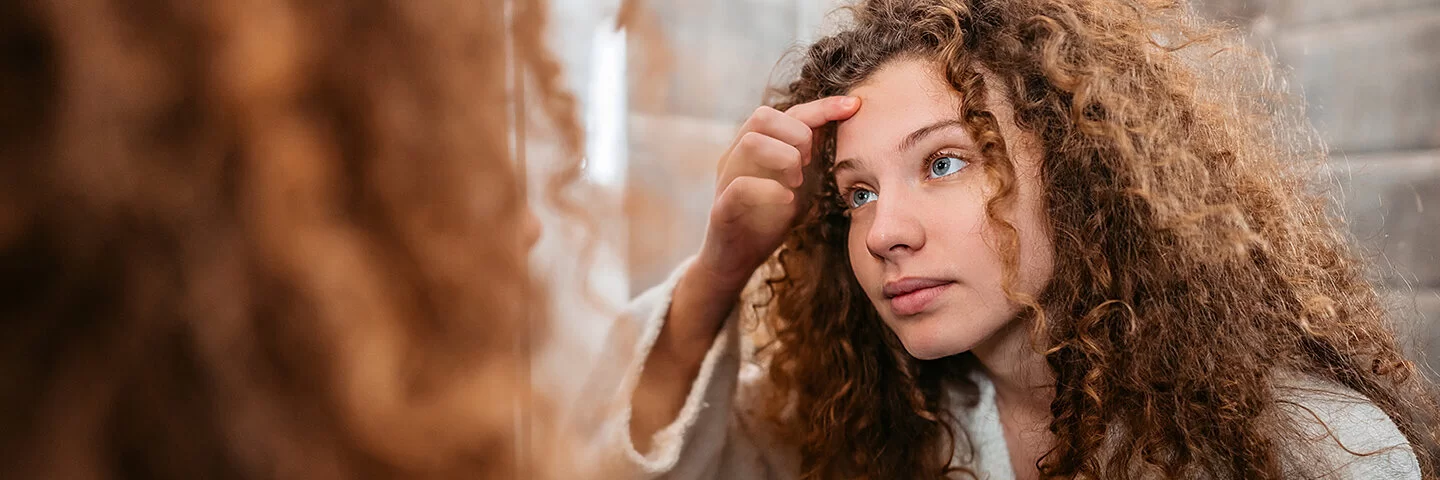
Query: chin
{"points": [[924, 344], [928, 354]]}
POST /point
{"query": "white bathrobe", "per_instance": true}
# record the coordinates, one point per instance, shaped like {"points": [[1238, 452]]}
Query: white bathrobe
{"points": [[718, 435]]}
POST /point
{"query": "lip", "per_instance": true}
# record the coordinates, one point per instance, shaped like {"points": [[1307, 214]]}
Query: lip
{"points": [[909, 296]]}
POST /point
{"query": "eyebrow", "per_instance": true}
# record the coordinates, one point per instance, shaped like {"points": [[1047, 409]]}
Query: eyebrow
{"points": [[925, 131], [905, 144]]}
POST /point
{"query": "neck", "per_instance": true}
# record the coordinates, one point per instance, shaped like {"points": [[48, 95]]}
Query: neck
{"points": [[1022, 379]]}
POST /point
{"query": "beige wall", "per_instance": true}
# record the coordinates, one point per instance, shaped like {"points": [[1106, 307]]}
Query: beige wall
{"points": [[1370, 72]]}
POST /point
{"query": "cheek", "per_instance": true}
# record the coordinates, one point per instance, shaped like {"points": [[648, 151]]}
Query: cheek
{"points": [[1037, 252], [973, 243], [959, 228], [1031, 223]]}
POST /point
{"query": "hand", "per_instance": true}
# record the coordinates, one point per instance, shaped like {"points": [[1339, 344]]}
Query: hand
{"points": [[755, 195], [755, 207]]}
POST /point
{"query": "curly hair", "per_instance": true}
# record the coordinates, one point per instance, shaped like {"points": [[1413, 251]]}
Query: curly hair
{"points": [[265, 238], [1196, 263]]}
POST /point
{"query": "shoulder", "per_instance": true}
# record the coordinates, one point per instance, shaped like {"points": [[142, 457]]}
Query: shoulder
{"points": [[1343, 432]]}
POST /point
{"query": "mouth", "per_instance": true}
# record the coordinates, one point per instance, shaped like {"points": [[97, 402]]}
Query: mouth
{"points": [[910, 296]]}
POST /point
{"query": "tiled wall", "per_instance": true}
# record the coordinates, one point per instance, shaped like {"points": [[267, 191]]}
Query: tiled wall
{"points": [[1370, 72], [724, 52]]}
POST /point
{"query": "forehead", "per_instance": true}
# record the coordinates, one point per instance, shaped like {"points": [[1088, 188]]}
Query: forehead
{"points": [[901, 97]]}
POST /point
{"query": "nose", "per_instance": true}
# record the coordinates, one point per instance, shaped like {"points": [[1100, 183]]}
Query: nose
{"points": [[895, 229]]}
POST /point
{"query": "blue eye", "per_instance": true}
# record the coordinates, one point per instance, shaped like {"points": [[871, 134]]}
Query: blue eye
{"points": [[946, 165], [860, 197]]}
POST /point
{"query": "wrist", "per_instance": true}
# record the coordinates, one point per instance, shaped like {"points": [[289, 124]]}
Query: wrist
{"points": [[699, 306], [717, 277]]}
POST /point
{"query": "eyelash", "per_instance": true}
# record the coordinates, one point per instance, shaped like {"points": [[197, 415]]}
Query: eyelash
{"points": [[930, 163], [847, 192]]}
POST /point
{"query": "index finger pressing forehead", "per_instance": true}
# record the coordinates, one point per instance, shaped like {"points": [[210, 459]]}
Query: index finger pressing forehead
{"points": [[820, 112]]}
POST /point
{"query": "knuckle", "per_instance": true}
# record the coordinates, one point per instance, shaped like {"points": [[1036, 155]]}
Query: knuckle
{"points": [[764, 112], [764, 117], [751, 143], [735, 191]]}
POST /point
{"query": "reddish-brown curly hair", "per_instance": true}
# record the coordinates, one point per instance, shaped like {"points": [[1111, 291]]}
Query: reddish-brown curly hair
{"points": [[265, 238], [1195, 262]]}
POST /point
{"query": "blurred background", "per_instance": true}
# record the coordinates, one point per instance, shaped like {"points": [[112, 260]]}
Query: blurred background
{"points": [[663, 97]]}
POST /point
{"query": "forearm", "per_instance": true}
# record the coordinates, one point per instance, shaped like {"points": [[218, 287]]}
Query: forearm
{"points": [[698, 308]]}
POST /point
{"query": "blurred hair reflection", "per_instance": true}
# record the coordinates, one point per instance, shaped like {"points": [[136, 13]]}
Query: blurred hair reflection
{"points": [[262, 239]]}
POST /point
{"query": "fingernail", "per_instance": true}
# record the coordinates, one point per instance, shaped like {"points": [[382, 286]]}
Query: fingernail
{"points": [[849, 102]]}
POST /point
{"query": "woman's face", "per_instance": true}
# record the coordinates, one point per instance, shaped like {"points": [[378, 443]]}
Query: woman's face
{"points": [[920, 242]]}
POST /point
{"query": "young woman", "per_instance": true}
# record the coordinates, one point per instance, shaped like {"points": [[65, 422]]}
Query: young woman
{"points": [[1022, 239], [257, 239]]}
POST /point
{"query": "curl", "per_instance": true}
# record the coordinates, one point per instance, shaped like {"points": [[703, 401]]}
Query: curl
{"points": [[1195, 264]]}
